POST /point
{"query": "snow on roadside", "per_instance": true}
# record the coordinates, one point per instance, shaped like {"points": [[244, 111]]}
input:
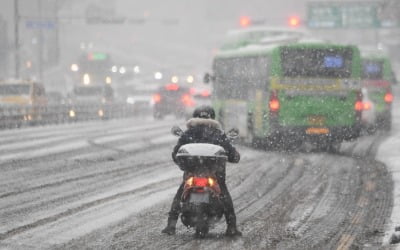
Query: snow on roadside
{"points": [[389, 154]]}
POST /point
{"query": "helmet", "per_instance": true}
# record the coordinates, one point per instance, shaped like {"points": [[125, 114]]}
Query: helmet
{"points": [[204, 111]]}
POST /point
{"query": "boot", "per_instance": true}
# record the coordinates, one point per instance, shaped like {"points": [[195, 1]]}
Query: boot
{"points": [[171, 226], [231, 229]]}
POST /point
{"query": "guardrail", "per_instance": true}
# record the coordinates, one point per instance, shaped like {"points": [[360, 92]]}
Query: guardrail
{"points": [[15, 117]]}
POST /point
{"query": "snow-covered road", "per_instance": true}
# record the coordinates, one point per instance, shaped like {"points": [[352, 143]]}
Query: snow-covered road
{"points": [[109, 184]]}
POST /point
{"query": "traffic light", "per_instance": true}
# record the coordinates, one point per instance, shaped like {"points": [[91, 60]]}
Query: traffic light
{"points": [[244, 21], [294, 21]]}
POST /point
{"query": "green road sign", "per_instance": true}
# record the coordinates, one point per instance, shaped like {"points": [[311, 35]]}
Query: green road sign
{"points": [[343, 15]]}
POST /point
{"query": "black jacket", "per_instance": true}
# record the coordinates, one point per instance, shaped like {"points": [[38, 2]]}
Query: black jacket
{"points": [[206, 131]]}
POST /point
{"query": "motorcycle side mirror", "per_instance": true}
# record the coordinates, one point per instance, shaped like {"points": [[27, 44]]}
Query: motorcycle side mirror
{"points": [[176, 130], [233, 133]]}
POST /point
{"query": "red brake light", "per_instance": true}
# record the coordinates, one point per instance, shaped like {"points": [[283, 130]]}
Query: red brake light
{"points": [[205, 93], [187, 100], [388, 97], [172, 86], [358, 106], [156, 98], [274, 104], [200, 181], [367, 105]]}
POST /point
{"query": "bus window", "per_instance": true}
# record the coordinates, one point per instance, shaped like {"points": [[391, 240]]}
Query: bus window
{"points": [[318, 62], [14, 89], [235, 77], [372, 69]]}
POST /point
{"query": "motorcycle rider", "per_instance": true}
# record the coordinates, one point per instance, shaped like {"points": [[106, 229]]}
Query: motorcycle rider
{"points": [[203, 128]]}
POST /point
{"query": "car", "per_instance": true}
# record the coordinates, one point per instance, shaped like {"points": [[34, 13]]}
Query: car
{"points": [[140, 102], [171, 99], [91, 101], [27, 98], [377, 81]]}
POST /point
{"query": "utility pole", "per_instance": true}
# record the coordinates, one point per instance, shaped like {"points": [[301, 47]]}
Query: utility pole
{"points": [[41, 41], [16, 53]]}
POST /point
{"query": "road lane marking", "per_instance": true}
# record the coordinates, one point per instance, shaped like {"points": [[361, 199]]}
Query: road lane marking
{"points": [[345, 242], [370, 186], [363, 201]]}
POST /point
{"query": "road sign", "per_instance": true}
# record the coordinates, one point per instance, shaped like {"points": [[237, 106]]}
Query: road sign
{"points": [[343, 15], [45, 24]]}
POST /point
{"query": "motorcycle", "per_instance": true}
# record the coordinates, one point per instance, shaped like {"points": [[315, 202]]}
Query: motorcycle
{"points": [[201, 205]]}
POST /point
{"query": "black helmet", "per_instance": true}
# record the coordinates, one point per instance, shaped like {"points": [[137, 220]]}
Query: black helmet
{"points": [[204, 111]]}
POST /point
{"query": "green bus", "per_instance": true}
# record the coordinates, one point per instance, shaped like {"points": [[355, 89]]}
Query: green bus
{"points": [[377, 80], [283, 95]]}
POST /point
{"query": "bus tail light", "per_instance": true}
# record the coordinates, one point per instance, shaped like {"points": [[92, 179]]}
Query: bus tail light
{"points": [[367, 105], [388, 97], [359, 106], [274, 104]]}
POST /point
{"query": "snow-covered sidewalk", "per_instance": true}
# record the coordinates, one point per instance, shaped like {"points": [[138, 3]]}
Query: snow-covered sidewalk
{"points": [[389, 154]]}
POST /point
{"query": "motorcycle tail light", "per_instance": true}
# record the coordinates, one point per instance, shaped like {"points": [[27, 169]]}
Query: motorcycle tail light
{"points": [[200, 181]]}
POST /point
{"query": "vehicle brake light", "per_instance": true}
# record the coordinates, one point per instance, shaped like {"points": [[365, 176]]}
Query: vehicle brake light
{"points": [[157, 98], [358, 106], [172, 87], [187, 100], [367, 105], [205, 93], [200, 181], [388, 97], [274, 104]]}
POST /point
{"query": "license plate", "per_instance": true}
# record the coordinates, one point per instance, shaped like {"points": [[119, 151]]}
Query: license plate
{"points": [[317, 131], [199, 197], [316, 120]]}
